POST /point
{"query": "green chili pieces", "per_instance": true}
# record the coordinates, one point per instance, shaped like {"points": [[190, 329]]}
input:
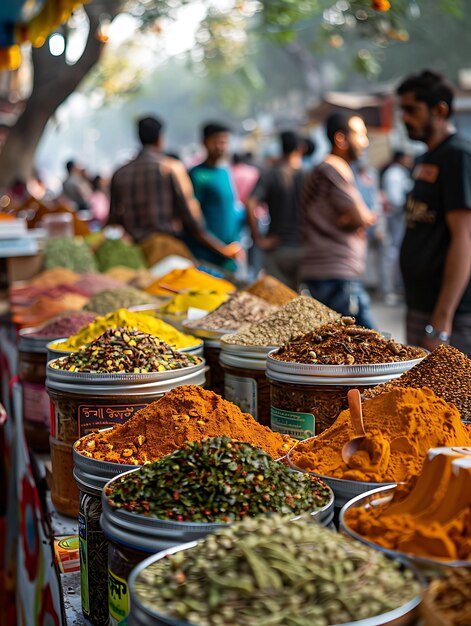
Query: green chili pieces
{"points": [[217, 480]]}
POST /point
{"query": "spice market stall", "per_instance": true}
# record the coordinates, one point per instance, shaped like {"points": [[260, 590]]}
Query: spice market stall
{"points": [[147, 458]]}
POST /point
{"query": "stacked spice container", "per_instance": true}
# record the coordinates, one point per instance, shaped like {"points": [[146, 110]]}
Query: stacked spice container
{"points": [[32, 373], [310, 375], [158, 507], [103, 384], [244, 354], [240, 310], [186, 413], [273, 571]]}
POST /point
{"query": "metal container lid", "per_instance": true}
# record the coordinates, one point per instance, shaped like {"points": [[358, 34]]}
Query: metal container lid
{"points": [[91, 475], [141, 532], [391, 370], [255, 352], [196, 350], [243, 362], [32, 344], [296, 379], [94, 378], [206, 333], [141, 615], [196, 375], [212, 343]]}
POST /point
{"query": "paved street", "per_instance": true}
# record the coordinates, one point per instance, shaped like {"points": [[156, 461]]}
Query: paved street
{"points": [[390, 319]]}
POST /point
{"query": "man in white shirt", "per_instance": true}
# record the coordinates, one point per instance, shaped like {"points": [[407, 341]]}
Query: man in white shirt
{"points": [[396, 183]]}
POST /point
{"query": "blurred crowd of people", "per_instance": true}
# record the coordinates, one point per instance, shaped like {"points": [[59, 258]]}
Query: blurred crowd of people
{"points": [[325, 229]]}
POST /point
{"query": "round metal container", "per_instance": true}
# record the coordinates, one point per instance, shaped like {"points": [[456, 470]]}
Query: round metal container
{"points": [[196, 350], [136, 384], [206, 333], [140, 615], [245, 382], [91, 475], [307, 399], [383, 495], [344, 490], [251, 352], [32, 344], [56, 353], [339, 372], [151, 534]]}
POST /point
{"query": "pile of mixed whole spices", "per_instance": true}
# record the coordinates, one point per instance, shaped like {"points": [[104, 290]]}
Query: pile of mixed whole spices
{"points": [[216, 480], [275, 572], [186, 413], [344, 343], [446, 371], [297, 317], [125, 350], [241, 308]]}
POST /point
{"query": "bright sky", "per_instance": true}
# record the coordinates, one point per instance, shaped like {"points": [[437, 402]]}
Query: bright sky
{"points": [[177, 35]]}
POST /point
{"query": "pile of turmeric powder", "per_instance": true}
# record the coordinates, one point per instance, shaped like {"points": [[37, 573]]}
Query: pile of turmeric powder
{"points": [[189, 278], [404, 423], [429, 517], [186, 413]]}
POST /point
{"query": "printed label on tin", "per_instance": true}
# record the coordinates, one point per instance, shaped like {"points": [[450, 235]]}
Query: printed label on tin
{"points": [[297, 425], [36, 403], [242, 392], [118, 599], [92, 417]]}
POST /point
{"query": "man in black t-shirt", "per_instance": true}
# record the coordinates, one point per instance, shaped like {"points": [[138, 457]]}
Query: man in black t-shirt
{"points": [[280, 188], [436, 251]]}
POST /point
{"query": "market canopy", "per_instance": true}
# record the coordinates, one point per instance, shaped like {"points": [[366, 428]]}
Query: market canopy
{"points": [[29, 20]]}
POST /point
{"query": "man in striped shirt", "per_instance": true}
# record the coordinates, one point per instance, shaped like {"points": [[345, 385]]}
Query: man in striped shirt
{"points": [[153, 193]]}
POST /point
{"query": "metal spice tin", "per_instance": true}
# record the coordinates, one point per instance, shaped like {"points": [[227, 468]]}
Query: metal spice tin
{"points": [[140, 615], [83, 402], [306, 399], [91, 475]]}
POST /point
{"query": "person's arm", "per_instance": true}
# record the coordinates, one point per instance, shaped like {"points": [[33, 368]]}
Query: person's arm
{"points": [[193, 220], [456, 275], [354, 212]]}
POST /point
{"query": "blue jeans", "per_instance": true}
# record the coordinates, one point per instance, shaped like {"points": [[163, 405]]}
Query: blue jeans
{"points": [[347, 297]]}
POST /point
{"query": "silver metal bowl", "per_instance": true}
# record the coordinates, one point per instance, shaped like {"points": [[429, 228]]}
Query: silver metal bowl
{"points": [[383, 495], [140, 615], [344, 490]]}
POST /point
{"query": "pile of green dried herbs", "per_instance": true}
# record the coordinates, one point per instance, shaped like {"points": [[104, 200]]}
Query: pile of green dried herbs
{"points": [[217, 480], [273, 572], [71, 253], [125, 350], [110, 300], [114, 252]]}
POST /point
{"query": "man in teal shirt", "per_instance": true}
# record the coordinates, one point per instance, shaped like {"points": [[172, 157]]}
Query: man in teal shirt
{"points": [[214, 189]]}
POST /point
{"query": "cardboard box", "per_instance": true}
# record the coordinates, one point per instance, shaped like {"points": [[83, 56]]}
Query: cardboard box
{"points": [[24, 267]]}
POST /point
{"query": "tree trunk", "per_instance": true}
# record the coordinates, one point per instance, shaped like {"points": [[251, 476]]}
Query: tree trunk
{"points": [[53, 82]]}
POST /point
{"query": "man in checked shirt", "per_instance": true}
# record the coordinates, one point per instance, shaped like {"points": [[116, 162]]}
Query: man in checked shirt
{"points": [[153, 194]]}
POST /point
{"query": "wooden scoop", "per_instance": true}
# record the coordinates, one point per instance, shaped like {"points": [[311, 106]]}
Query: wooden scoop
{"points": [[359, 441]]}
